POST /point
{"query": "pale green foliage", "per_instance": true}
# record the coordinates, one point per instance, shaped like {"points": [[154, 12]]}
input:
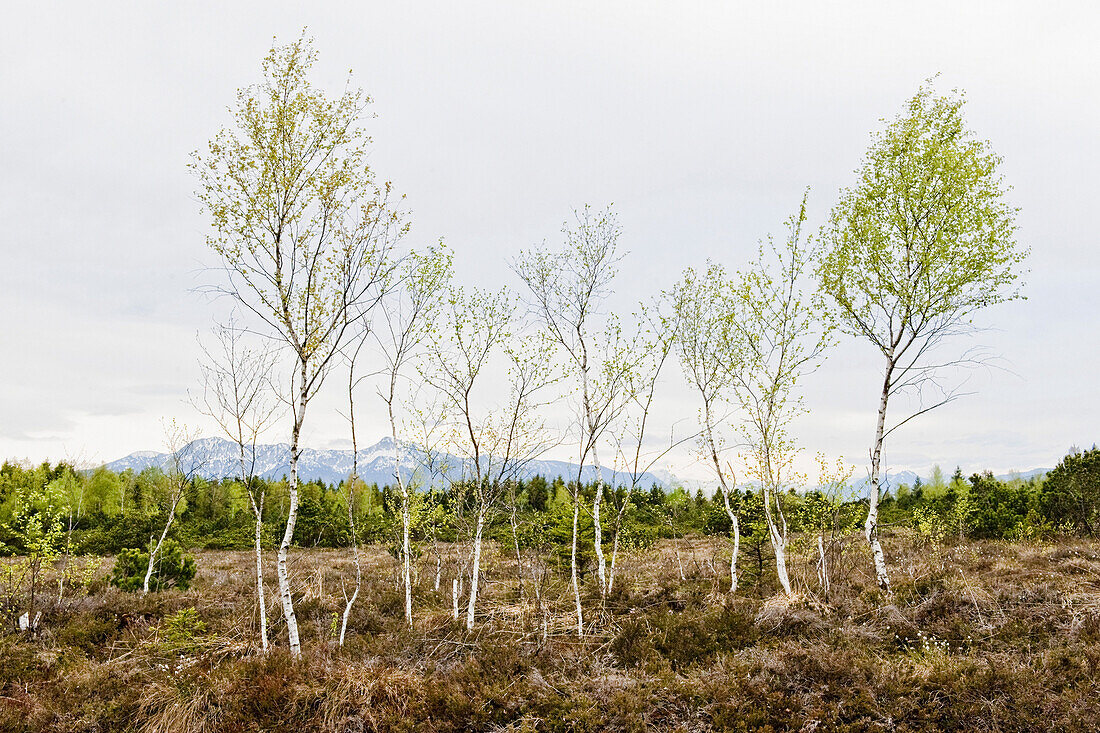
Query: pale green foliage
{"points": [[820, 510], [704, 305], [936, 483], [569, 284], [474, 326], [39, 521], [780, 334], [302, 226], [925, 237], [414, 298], [930, 524]]}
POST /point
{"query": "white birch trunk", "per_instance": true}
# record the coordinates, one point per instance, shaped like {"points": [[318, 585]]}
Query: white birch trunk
{"points": [[406, 519], [597, 526], [777, 532], [870, 530], [355, 558], [406, 554], [475, 572], [822, 568], [154, 550], [735, 526], [519, 556], [291, 520], [260, 582], [615, 547], [351, 601], [779, 544], [735, 532], [573, 562]]}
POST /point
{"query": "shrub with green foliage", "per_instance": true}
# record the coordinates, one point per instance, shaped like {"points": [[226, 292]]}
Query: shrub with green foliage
{"points": [[172, 569], [1070, 496]]}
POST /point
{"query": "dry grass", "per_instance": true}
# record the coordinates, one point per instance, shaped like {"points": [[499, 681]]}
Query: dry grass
{"points": [[977, 636]]}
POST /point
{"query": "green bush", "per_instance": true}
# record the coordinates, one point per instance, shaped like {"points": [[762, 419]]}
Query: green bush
{"points": [[182, 631], [1070, 496], [172, 569]]}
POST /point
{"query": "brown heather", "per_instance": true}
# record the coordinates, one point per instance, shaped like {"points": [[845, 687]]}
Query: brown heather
{"points": [[983, 636]]}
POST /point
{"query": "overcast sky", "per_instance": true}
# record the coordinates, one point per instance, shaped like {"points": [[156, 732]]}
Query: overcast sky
{"points": [[702, 122]]}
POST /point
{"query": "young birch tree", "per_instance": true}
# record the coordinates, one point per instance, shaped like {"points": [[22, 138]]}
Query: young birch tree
{"points": [[498, 443], [477, 326], [351, 484], [654, 345], [781, 337], [920, 243], [183, 464], [407, 317], [567, 289], [236, 395], [520, 434], [303, 229], [706, 341]]}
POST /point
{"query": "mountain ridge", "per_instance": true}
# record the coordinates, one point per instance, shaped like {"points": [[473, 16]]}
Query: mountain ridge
{"points": [[216, 458]]}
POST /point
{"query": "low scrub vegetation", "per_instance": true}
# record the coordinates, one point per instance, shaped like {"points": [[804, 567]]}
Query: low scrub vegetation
{"points": [[977, 635]]}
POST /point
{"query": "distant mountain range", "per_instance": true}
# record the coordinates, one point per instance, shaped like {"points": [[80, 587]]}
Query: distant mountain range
{"points": [[892, 481], [218, 458]]}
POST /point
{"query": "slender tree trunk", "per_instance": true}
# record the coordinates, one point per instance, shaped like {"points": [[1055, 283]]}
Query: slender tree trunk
{"points": [[154, 550], [355, 557], [777, 532], [597, 526], [291, 520], [475, 572], [615, 546], [735, 533], [352, 482], [454, 597], [406, 518], [870, 530], [515, 543], [406, 553], [822, 568], [260, 577], [573, 559], [735, 526], [779, 545]]}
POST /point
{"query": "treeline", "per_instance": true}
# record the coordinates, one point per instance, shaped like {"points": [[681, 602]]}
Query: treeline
{"points": [[104, 512]]}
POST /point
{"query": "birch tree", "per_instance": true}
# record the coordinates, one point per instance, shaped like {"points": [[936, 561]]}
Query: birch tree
{"points": [[654, 347], [496, 441], [405, 320], [351, 486], [710, 357], [184, 463], [237, 396], [920, 243], [567, 289], [477, 326], [781, 336], [520, 434], [303, 229]]}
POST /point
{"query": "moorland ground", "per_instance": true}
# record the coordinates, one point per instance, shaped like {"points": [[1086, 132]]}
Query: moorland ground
{"points": [[985, 635]]}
